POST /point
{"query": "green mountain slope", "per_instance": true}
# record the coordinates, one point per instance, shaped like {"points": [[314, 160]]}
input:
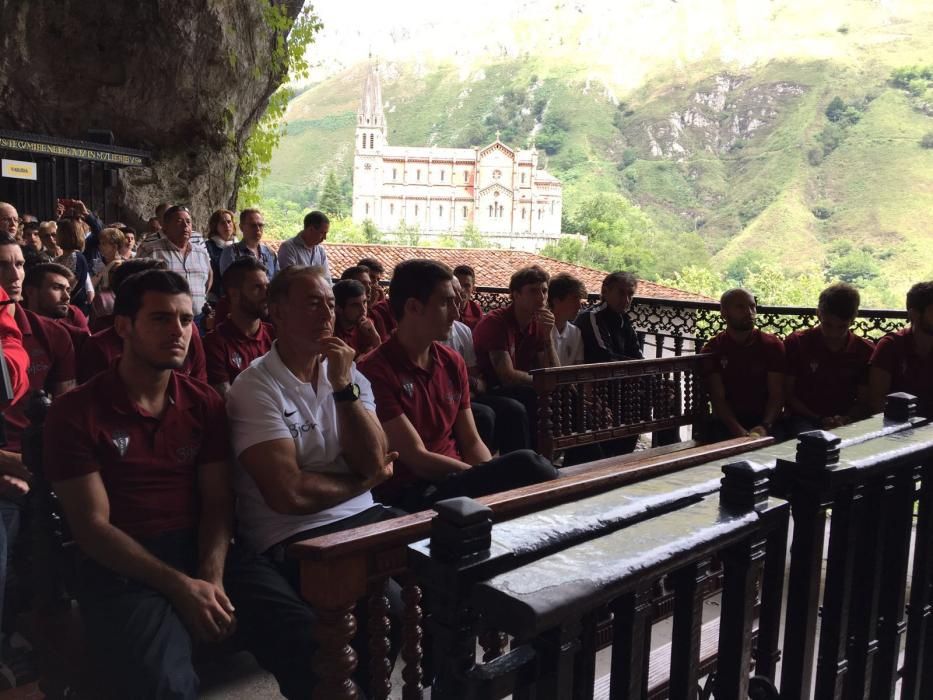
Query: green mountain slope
{"points": [[743, 153]]}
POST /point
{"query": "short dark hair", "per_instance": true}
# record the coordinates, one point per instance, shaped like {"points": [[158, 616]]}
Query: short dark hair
{"points": [[130, 295], [174, 210], [316, 219], [247, 212], [735, 291], [920, 296], [30, 226], [415, 279], [349, 273], [234, 275], [563, 285], [69, 235], [465, 270], [7, 239], [131, 267], [344, 290], [840, 299], [528, 275], [617, 279], [281, 284], [373, 265], [35, 274]]}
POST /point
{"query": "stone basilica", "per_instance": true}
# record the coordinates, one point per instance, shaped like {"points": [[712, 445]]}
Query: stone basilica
{"points": [[500, 190]]}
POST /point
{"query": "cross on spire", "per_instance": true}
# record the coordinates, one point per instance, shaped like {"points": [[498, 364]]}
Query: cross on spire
{"points": [[498, 133]]}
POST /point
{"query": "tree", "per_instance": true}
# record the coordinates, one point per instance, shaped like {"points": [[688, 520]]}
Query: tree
{"points": [[927, 140], [371, 233], [332, 201], [471, 238], [407, 235]]}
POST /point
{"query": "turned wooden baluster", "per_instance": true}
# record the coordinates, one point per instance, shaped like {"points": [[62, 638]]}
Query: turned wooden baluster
{"points": [[380, 668], [335, 661], [494, 644], [411, 641]]}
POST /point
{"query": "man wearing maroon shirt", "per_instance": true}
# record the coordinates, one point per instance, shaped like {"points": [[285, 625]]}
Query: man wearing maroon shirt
{"points": [[243, 335], [827, 366], [381, 315], [422, 394], [470, 311], [101, 349], [746, 377], [46, 293], [376, 271], [903, 361], [139, 457], [351, 324]]}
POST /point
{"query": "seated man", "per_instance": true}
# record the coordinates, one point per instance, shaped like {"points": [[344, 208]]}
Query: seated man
{"points": [[607, 330], [903, 361], [565, 295], [46, 293], [139, 459], [383, 319], [243, 335], [102, 349], [512, 341], [423, 401], [746, 378], [376, 271], [351, 324], [827, 366], [470, 311], [361, 275]]}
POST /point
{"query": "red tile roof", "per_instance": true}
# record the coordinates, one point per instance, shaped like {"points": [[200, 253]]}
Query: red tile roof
{"points": [[494, 266]]}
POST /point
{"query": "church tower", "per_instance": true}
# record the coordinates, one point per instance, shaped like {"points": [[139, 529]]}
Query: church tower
{"points": [[367, 161]]}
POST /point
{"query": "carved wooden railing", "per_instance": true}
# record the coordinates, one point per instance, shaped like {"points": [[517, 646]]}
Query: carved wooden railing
{"points": [[548, 577], [586, 404]]}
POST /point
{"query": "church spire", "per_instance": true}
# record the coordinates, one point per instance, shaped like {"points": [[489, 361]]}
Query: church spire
{"points": [[370, 112]]}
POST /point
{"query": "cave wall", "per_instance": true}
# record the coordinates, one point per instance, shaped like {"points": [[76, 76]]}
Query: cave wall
{"points": [[184, 79]]}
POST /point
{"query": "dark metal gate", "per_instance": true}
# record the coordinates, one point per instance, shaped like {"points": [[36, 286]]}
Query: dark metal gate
{"points": [[67, 168]]}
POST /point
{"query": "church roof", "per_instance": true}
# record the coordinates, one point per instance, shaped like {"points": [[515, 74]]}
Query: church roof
{"points": [[432, 152], [371, 100], [493, 267]]}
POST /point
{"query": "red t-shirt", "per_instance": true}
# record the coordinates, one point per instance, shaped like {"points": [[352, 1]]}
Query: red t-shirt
{"points": [[383, 319], [51, 361], [228, 351], [76, 325], [471, 314], [102, 349], [827, 382], [351, 336], [744, 370], [149, 465], [896, 353], [498, 330], [17, 360], [430, 398]]}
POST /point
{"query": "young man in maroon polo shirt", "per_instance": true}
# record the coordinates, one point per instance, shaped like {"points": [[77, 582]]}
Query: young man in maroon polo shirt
{"points": [[903, 361], [102, 348], [746, 378], [376, 271], [243, 335], [470, 311], [827, 366], [139, 457], [46, 293], [351, 324], [422, 394]]}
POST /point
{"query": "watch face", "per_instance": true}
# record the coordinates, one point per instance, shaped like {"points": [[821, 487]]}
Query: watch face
{"points": [[355, 390]]}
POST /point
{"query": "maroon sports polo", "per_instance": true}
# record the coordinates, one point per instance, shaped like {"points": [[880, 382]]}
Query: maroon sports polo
{"points": [[499, 330], [744, 370], [383, 319], [51, 361], [827, 382], [101, 350], [352, 337], [149, 465], [430, 398], [896, 353], [76, 325], [228, 350], [471, 314]]}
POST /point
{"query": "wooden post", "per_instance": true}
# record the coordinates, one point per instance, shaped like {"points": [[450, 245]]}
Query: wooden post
{"points": [[685, 639], [380, 668], [917, 661], [631, 645], [741, 567], [411, 640]]}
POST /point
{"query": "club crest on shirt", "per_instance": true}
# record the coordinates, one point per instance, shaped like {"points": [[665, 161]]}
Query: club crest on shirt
{"points": [[237, 359], [408, 386], [120, 440], [723, 362], [814, 366], [187, 453]]}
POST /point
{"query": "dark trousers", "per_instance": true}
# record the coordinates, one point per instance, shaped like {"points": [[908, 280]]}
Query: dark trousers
{"points": [[9, 528], [516, 416], [511, 471], [485, 419], [143, 648]]}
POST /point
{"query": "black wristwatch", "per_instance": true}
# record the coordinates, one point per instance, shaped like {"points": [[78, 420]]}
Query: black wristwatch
{"points": [[351, 392]]}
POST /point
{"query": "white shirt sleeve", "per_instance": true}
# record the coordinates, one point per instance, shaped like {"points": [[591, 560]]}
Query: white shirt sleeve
{"points": [[88, 285], [254, 409], [576, 346]]}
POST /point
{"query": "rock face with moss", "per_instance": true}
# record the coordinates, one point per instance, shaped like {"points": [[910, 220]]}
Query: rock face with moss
{"points": [[185, 79]]}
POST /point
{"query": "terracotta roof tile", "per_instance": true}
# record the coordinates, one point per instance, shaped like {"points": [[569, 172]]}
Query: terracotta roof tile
{"points": [[493, 266]]}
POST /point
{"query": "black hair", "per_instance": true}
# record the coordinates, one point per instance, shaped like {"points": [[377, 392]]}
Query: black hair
{"points": [[563, 285], [131, 267], [130, 295], [316, 219], [235, 274], [920, 296], [618, 278], [415, 279], [35, 274], [528, 275], [463, 270], [840, 299], [344, 290], [373, 265], [174, 210], [349, 273]]}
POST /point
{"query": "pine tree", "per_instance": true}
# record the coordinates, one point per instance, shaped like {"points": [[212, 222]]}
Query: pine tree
{"points": [[332, 201]]}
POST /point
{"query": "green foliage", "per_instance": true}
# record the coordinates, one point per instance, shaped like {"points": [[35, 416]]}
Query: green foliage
{"points": [[927, 140], [333, 201], [287, 60], [697, 279], [850, 264], [830, 137], [408, 235], [371, 233], [821, 212], [471, 238], [905, 77], [839, 111], [629, 156]]}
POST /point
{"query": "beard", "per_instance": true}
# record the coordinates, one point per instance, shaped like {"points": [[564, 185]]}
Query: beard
{"points": [[742, 325]]}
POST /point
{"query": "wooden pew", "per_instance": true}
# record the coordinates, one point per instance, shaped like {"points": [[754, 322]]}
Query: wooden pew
{"points": [[587, 404]]}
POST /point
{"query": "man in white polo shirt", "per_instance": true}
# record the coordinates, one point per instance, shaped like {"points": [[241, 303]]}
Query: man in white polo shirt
{"points": [[307, 443]]}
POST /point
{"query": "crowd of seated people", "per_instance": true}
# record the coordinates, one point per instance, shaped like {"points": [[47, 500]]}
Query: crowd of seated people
{"points": [[315, 403]]}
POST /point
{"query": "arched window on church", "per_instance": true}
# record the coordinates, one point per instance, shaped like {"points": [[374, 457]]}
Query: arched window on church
{"points": [[370, 140], [523, 213], [442, 175], [490, 211], [552, 208], [364, 141], [416, 209], [391, 208], [540, 213], [418, 175], [464, 212], [466, 177], [523, 178], [394, 174], [367, 208], [440, 211]]}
